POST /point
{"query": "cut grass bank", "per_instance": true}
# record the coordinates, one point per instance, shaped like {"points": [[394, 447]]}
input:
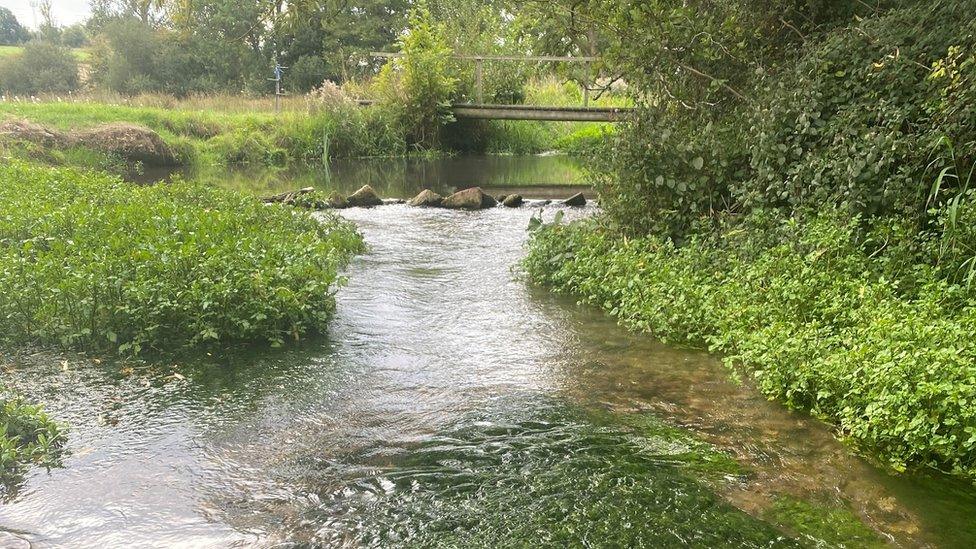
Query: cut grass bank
{"points": [[808, 312], [92, 263]]}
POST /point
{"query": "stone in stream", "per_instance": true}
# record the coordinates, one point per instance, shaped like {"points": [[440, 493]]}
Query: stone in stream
{"points": [[501, 198], [576, 200], [337, 201], [469, 199], [513, 201], [426, 198], [365, 197]]}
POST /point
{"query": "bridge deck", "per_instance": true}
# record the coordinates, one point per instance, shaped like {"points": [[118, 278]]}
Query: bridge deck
{"points": [[534, 112]]}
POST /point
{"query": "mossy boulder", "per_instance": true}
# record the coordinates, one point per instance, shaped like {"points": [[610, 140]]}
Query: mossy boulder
{"points": [[577, 200], [365, 197], [469, 199], [426, 198], [513, 201]]}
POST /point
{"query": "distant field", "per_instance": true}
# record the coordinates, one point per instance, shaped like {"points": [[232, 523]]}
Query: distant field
{"points": [[81, 54]]}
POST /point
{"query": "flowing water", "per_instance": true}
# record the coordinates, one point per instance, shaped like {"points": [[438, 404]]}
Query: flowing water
{"points": [[452, 404]]}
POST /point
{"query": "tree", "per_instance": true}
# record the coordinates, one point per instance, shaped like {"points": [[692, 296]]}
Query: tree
{"points": [[74, 36], [11, 31], [421, 83], [42, 67]]}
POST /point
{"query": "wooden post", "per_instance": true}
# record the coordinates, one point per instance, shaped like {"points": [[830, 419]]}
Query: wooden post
{"points": [[479, 81], [278, 96]]}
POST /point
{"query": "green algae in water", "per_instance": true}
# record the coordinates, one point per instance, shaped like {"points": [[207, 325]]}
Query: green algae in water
{"points": [[823, 525], [555, 479]]}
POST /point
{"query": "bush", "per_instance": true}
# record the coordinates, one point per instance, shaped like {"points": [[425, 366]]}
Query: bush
{"points": [[41, 68], [803, 308], [89, 262], [420, 85], [74, 36], [856, 122], [27, 435]]}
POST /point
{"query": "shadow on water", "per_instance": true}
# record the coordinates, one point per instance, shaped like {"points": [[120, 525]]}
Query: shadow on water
{"points": [[453, 405]]}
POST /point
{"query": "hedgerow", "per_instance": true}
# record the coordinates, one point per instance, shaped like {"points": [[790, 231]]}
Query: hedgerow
{"points": [[90, 262], [802, 308]]}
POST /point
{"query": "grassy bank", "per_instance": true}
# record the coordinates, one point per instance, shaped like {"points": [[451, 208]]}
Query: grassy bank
{"points": [[224, 130], [89, 262], [807, 311], [218, 138]]}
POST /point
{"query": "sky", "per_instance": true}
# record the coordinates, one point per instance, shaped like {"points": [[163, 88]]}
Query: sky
{"points": [[66, 12]]}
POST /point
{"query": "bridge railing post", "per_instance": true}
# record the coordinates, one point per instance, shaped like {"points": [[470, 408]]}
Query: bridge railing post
{"points": [[479, 80], [586, 84]]}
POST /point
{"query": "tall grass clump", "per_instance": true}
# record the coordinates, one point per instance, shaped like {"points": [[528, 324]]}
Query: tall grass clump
{"points": [[89, 262]]}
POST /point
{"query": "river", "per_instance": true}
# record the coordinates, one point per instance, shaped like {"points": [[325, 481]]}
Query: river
{"points": [[452, 404]]}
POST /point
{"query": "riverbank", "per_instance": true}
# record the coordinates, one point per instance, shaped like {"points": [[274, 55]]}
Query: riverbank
{"points": [[805, 311], [411, 418], [195, 134], [159, 269]]}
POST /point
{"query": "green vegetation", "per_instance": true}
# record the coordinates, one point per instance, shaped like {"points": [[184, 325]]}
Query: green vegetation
{"points": [[40, 67], [516, 481], [89, 262], [80, 54], [795, 193], [805, 309], [27, 436]]}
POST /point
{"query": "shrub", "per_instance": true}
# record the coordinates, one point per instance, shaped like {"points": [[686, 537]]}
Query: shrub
{"points": [[857, 120], [41, 68], [803, 309], [27, 435], [420, 85], [89, 262]]}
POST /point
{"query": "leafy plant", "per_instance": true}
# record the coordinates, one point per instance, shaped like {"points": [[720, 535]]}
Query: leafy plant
{"points": [[27, 436], [804, 309], [421, 84], [89, 262]]}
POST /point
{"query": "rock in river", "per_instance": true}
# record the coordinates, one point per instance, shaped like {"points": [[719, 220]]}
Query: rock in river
{"points": [[513, 201], [337, 201], [427, 198], [365, 197], [576, 200], [469, 199]]}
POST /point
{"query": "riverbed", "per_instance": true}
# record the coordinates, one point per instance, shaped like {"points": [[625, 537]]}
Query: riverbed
{"points": [[452, 404]]}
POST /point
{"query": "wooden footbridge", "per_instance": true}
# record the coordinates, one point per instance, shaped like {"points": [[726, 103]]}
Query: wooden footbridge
{"points": [[482, 111]]}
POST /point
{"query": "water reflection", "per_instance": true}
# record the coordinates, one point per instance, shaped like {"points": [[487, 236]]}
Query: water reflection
{"points": [[546, 177]]}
